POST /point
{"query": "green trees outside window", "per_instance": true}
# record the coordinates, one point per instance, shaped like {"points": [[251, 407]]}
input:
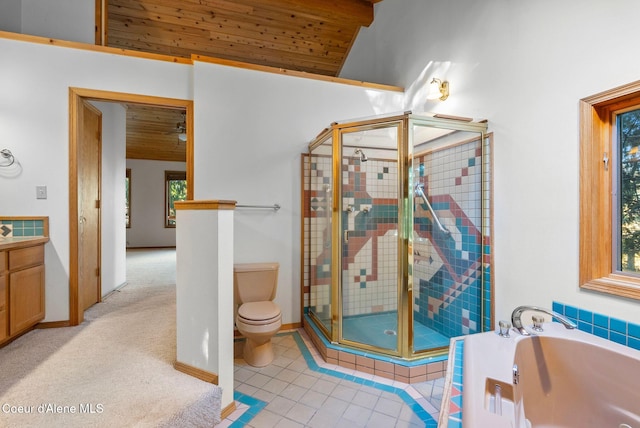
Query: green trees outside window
{"points": [[176, 190], [629, 185]]}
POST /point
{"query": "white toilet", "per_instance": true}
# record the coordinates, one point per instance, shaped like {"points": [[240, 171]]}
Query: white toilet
{"points": [[258, 318]]}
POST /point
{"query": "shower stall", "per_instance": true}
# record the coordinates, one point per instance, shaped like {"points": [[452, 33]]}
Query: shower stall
{"points": [[396, 230]]}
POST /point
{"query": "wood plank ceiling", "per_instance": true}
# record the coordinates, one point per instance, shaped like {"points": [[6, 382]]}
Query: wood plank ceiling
{"points": [[155, 133], [305, 35]]}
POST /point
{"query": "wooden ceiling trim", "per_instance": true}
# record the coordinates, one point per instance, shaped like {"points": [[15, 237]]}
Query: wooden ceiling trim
{"points": [[83, 46]]}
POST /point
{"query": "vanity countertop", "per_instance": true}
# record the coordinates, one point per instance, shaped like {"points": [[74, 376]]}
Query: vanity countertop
{"points": [[11, 243]]}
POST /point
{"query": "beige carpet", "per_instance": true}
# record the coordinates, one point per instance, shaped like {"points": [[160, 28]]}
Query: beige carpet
{"points": [[113, 370]]}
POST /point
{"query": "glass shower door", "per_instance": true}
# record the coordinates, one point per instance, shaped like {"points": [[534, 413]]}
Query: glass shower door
{"points": [[370, 236], [447, 239], [320, 187]]}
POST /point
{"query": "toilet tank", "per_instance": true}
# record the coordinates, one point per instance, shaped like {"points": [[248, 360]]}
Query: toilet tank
{"points": [[255, 282]]}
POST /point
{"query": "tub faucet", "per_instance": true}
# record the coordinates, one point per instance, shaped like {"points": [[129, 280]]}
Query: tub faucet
{"points": [[517, 322]]}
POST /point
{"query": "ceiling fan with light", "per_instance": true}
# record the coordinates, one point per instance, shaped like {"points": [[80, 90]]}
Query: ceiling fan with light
{"points": [[181, 128]]}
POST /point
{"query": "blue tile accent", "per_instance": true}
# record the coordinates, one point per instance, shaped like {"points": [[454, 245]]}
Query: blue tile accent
{"points": [[558, 307], [571, 312], [634, 343], [618, 326], [586, 316], [398, 361], [254, 404], [601, 332], [618, 338], [455, 418], [23, 228], [614, 329], [601, 321], [634, 330], [586, 327]]}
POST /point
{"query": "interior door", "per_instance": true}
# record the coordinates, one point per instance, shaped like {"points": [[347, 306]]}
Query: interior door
{"points": [[89, 161]]}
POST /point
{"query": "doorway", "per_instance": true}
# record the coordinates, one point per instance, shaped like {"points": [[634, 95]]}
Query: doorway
{"points": [[78, 246]]}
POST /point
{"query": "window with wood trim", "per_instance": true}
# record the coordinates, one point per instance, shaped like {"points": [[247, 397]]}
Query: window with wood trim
{"points": [[175, 184], [610, 191]]}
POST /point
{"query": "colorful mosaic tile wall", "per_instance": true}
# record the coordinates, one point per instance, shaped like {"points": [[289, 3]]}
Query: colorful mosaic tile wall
{"points": [[448, 266], [317, 218], [370, 214]]}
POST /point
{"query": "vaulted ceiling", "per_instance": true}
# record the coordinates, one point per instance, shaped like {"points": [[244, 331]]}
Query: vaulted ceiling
{"points": [[313, 36]]}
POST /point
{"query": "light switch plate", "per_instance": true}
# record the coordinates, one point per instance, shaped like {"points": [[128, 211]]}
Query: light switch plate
{"points": [[41, 192]]}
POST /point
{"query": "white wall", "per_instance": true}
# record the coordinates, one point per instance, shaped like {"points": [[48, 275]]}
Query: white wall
{"points": [[72, 20], [112, 213], [523, 66], [147, 203], [250, 129], [11, 15], [34, 125]]}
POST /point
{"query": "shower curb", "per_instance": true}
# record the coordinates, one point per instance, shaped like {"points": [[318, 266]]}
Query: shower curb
{"points": [[429, 368]]}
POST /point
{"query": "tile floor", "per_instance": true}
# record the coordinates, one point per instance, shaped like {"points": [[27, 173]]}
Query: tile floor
{"points": [[300, 390]]}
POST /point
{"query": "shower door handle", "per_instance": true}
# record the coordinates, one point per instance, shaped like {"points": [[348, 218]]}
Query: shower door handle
{"points": [[345, 235]]}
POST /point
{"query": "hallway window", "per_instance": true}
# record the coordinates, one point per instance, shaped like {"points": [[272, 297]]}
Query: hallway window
{"points": [[610, 191], [175, 190]]}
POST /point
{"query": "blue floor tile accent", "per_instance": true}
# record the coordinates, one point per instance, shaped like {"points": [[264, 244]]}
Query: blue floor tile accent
{"points": [[255, 406]]}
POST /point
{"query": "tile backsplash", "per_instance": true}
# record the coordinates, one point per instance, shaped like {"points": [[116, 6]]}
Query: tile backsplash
{"points": [[22, 227], [614, 329]]}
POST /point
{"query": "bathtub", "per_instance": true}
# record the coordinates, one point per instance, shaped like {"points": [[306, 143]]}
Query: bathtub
{"points": [[556, 378]]}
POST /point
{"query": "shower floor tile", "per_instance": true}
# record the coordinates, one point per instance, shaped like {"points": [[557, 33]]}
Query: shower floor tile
{"points": [[381, 330]]}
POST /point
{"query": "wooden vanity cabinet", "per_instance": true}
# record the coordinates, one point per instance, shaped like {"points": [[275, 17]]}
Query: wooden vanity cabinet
{"points": [[21, 290]]}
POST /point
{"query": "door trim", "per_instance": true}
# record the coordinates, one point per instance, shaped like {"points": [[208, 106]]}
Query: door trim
{"points": [[76, 96]]}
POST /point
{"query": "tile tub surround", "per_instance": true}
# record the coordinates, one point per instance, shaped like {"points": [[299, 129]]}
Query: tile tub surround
{"points": [[301, 390], [610, 328], [451, 411], [402, 371]]}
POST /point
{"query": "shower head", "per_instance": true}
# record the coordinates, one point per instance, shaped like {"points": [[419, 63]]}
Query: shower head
{"points": [[363, 157]]}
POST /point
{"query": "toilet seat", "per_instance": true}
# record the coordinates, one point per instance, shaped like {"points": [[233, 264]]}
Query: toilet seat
{"points": [[259, 313]]}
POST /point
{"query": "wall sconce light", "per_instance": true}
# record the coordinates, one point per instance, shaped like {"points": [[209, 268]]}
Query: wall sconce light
{"points": [[438, 90]]}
